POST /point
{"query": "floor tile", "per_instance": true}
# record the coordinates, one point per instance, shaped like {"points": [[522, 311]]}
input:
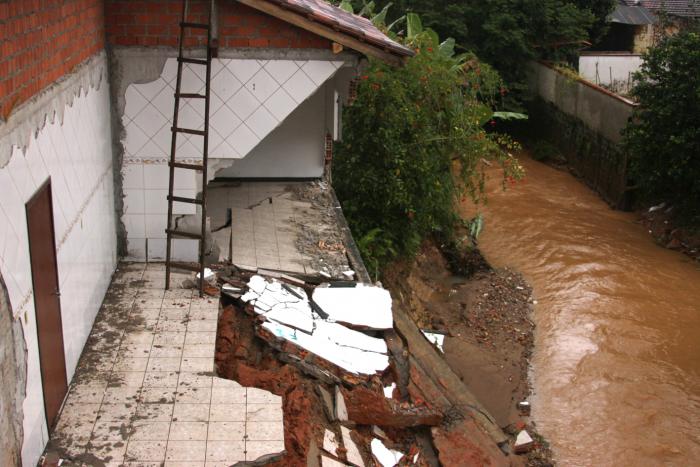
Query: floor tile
{"points": [[186, 451]]}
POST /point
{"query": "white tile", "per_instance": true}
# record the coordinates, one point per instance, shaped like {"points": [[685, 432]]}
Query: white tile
{"points": [[21, 176], [150, 120], [243, 140], [224, 121], [156, 202], [280, 104], [155, 176], [163, 139], [135, 102], [225, 84], [164, 101], [134, 201], [155, 226], [262, 85], [189, 118], [300, 86], [319, 70], [243, 103], [135, 139], [156, 249], [36, 166], [243, 70], [132, 176], [262, 122], [281, 70], [135, 225], [185, 249]]}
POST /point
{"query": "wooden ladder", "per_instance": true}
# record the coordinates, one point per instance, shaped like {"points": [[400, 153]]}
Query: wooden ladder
{"points": [[171, 233]]}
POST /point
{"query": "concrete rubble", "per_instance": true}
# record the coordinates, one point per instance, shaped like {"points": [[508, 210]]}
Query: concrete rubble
{"points": [[361, 384]]}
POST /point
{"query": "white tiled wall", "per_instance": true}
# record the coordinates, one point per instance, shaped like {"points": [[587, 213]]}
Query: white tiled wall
{"points": [[250, 98], [77, 157]]}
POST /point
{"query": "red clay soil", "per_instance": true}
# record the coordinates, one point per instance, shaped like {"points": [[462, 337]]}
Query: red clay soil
{"points": [[240, 357]]}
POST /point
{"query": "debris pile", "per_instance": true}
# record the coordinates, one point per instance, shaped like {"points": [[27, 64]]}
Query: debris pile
{"points": [[360, 383]]}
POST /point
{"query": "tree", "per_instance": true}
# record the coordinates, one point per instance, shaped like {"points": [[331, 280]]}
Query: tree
{"points": [[508, 33], [663, 137]]}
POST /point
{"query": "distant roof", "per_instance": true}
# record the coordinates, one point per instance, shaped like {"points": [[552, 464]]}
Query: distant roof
{"points": [[683, 8], [330, 21], [636, 15]]}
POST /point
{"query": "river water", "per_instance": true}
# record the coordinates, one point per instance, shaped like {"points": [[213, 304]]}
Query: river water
{"points": [[616, 367]]}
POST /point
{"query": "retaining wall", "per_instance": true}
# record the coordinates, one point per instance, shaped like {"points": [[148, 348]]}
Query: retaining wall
{"points": [[586, 122]]}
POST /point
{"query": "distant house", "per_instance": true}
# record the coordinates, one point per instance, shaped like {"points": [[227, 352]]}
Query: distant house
{"points": [[635, 25]]}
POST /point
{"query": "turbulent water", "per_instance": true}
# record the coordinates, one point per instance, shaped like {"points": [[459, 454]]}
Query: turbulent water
{"points": [[616, 368]]}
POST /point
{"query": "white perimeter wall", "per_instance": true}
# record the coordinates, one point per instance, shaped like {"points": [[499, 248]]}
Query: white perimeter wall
{"points": [[620, 66], [252, 103], [77, 156]]}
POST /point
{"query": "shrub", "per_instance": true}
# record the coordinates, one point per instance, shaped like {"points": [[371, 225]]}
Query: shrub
{"points": [[663, 137], [404, 135]]}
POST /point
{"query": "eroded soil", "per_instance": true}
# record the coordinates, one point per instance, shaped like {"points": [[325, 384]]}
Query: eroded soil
{"points": [[486, 319]]}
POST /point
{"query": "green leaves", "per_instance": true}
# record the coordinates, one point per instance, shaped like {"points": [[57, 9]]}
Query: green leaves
{"points": [[414, 25], [347, 6]]}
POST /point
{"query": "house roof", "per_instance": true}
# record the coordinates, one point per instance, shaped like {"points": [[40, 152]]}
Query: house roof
{"points": [[682, 8], [336, 24], [634, 15]]}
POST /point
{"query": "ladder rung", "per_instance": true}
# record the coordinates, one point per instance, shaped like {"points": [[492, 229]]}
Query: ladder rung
{"points": [[180, 199], [182, 165], [188, 131], [191, 95], [185, 266], [177, 233], [194, 25], [195, 61]]}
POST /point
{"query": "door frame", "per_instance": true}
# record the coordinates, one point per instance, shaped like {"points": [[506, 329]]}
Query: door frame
{"points": [[39, 191]]}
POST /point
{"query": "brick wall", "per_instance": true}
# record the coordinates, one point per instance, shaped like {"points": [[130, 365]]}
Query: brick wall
{"points": [[156, 23], [42, 40]]}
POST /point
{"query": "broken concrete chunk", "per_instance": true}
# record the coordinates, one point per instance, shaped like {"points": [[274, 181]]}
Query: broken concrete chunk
{"points": [[350, 359], [208, 274], [328, 462], [379, 433], [389, 391], [524, 408], [438, 339], [341, 411], [327, 399], [367, 407], [352, 451], [330, 444], [523, 442], [363, 306], [385, 456]]}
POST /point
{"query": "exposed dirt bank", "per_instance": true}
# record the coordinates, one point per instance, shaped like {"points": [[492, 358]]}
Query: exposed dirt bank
{"points": [[486, 319]]}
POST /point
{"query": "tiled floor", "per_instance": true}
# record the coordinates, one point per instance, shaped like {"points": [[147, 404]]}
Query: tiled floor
{"points": [[271, 226], [144, 392]]}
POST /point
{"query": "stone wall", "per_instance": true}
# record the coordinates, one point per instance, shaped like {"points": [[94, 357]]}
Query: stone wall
{"points": [[586, 122]]}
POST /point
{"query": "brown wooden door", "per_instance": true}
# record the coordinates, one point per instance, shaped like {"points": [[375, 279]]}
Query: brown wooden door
{"points": [[42, 249]]}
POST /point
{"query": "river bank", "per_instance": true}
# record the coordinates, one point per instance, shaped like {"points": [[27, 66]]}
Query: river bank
{"points": [[486, 319]]}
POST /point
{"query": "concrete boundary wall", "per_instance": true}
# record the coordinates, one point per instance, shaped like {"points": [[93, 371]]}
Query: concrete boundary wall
{"points": [[585, 121], [600, 110]]}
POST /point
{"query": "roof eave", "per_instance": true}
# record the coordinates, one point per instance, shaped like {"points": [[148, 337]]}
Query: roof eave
{"points": [[297, 19]]}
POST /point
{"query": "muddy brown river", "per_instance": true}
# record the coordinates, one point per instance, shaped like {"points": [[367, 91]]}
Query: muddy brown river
{"points": [[616, 367]]}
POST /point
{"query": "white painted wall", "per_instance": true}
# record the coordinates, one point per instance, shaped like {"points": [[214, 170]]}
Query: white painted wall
{"points": [[252, 101], [620, 66], [76, 154]]}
